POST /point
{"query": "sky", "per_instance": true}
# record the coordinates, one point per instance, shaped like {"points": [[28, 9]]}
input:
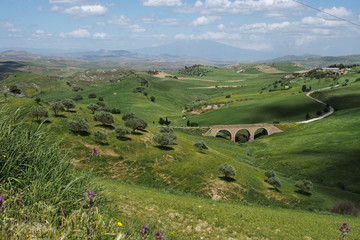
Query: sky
{"points": [[285, 27]]}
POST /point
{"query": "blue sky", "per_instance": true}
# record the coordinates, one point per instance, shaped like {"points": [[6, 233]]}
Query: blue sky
{"points": [[280, 26]]}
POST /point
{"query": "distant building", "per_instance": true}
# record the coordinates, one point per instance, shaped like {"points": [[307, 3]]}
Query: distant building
{"points": [[290, 76]]}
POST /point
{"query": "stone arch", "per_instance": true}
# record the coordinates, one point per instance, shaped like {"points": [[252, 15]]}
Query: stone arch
{"points": [[224, 133], [260, 132], [242, 135]]}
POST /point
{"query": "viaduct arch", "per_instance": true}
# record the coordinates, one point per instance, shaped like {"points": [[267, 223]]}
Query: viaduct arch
{"points": [[233, 129]]}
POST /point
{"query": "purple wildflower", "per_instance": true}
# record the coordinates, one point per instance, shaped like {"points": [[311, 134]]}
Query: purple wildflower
{"points": [[2, 208], [90, 198], [95, 151], [90, 151], [344, 229], [159, 236], [144, 231]]}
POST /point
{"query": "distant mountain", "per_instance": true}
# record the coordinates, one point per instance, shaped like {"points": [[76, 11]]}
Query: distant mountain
{"points": [[291, 58], [204, 49]]}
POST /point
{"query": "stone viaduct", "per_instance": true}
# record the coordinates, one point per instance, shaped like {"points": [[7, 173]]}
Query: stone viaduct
{"points": [[251, 128]]}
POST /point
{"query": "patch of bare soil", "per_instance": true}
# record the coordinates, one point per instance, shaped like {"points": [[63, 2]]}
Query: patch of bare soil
{"points": [[206, 108], [230, 81], [267, 69], [219, 189], [197, 79], [162, 75]]}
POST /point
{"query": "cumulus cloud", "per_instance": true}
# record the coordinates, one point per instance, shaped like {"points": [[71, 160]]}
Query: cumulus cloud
{"points": [[100, 35], [163, 22], [162, 3], [86, 10], [6, 24], [305, 40], [14, 30], [41, 33], [338, 12], [203, 20], [66, 1]]}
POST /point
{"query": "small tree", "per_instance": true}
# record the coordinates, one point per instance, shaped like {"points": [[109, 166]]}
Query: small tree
{"points": [[275, 182], [104, 117], [304, 185], [152, 98], [68, 103], [127, 116], [15, 90], [200, 144], [115, 111], [57, 107], [164, 139], [38, 112], [37, 100], [122, 131], [92, 95], [136, 123], [167, 130], [146, 94], [100, 136], [78, 124], [227, 170], [93, 107], [78, 98]]}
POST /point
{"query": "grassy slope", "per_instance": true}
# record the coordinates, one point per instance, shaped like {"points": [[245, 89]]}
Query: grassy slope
{"points": [[185, 169]]}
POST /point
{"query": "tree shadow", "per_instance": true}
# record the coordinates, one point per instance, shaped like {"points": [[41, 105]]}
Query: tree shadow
{"points": [[72, 111], [110, 127], [60, 116], [274, 189], [303, 193], [136, 133], [81, 133], [143, 130], [166, 148], [123, 138], [228, 179], [102, 143]]}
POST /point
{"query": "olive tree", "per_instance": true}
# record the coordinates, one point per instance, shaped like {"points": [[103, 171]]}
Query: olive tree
{"points": [[200, 144], [100, 136], [305, 186], [122, 131], [57, 107], [104, 118], [136, 123], [164, 139], [275, 182], [68, 103], [93, 107], [38, 112], [78, 124]]}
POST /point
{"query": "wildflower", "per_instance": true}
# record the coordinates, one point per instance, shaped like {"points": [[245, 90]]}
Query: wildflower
{"points": [[159, 236], [344, 229], [144, 231], [90, 198], [95, 151], [120, 224], [4, 156], [2, 207], [90, 151]]}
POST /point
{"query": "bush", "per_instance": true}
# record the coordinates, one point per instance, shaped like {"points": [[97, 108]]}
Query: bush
{"points": [[100, 136], [78, 98], [101, 99], [92, 95], [167, 130], [38, 112], [38, 100], [345, 207], [275, 182], [104, 117], [122, 131], [152, 98], [127, 116], [304, 185], [269, 173], [228, 96], [79, 124], [15, 90], [200, 144], [115, 111], [227, 170]]}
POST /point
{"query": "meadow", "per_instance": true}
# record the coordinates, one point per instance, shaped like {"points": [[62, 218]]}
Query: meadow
{"points": [[178, 189]]}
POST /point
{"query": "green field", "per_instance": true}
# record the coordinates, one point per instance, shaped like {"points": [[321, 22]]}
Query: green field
{"points": [[178, 189]]}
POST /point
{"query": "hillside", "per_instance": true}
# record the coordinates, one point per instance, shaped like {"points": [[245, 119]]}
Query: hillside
{"points": [[148, 177]]}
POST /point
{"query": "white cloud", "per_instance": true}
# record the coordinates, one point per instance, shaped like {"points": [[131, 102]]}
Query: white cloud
{"points": [[163, 22], [41, 33], [6, 24], [100, 35], [221, 26], [79, 33], [87, 10], [56, 8], [203, 20], [136, 28], [14, 30], [162, 3], [208, 36], [66, 1], [127, 23], [101, 24], [305, 40], [339, 12]]}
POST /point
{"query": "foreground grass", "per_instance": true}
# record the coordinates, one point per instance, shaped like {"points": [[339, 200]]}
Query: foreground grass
{"points": [[189, 217]]}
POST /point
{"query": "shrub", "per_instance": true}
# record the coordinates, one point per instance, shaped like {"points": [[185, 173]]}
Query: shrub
{"points": [[304, 185], [15, 90], [228, 96], [92, 95], [345, 207], [127, 116], [68, 103], [275, 182], [200, 144], [37, 100], [269, 173], [152, 98], [100, 136], [79, 124], [167, 130], [227, 170], [38, 112], [78, 98], [122, 131], [115, 111], [136, 123], [164, 122], [101, 99], [104, 117]]}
